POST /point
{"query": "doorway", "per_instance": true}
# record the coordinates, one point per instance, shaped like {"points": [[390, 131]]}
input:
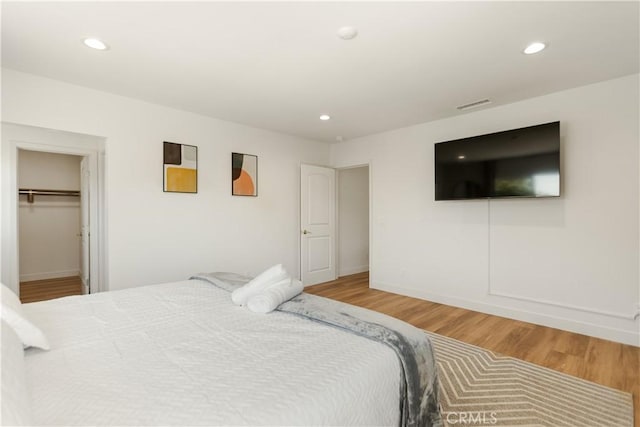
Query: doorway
{"points": [[334, 222], [25, 223], [353, 220], [52, 262]]}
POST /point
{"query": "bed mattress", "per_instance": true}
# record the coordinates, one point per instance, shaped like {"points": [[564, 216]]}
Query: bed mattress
{"points": [[182, 354]]}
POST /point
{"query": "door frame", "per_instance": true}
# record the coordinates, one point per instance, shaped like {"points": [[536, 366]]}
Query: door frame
{"points": [[85, 224], [10, 226]]}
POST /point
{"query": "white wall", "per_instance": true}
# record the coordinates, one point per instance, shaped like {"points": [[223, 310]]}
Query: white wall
{"points": [[158, 237], [353, 220], [569, 262], [48, 241]]}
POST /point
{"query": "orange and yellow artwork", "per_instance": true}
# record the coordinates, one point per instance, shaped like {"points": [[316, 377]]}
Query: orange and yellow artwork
{"points": [[244, 174], [180, 168]]}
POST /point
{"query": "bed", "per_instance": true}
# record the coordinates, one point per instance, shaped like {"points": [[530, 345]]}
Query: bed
{"points": [[181, 354]]}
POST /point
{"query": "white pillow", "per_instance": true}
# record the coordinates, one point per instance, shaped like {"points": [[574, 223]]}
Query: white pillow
{"points": [[11, 312], [269, 299], [16, 407], [262, 281]]}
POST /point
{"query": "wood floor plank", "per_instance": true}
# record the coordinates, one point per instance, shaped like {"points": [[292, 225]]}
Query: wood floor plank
{"points": [[604, 362], [42, 290], [564, 362]]}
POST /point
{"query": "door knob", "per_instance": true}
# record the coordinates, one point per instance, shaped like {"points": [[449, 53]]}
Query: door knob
{"points": [[306, 232]]}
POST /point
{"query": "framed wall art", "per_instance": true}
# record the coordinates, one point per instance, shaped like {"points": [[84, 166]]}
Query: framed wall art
{"points": [[180, 173], [244, 174]]}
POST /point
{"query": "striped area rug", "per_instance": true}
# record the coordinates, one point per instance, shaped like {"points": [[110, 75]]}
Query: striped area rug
{"points": [[479, 387]]}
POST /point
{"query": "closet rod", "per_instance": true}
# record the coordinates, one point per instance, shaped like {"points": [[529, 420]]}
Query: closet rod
{"points": [[33, 192]]}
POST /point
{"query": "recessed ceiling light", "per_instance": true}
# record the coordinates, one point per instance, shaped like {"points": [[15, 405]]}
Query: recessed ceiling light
{"points": [[461, 157], [325, 117], [95, 43], [347, 33], [534, 47]]}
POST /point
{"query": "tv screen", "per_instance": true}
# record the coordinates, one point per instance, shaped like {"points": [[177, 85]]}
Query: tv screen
{"points": [[515, 163]]}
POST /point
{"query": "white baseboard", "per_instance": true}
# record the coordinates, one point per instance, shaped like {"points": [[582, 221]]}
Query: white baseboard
{"points": [[591, 329], [352, 270], [48, 275]]}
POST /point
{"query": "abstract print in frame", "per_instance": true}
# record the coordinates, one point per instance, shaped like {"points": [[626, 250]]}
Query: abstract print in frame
{"points": [[244, 174], [180, 173]]}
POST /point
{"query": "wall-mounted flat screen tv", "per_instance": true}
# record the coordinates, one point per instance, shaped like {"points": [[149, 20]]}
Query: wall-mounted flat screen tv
{"points": [[515, 163]]}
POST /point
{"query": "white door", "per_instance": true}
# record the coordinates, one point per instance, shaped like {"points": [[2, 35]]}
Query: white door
{"points": [[317, 222], [85, 234]]}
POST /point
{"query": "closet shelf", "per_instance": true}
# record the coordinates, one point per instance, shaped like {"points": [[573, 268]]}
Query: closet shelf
{"points": [[30, 193]]}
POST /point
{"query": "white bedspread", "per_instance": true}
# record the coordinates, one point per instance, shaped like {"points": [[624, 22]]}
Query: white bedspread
{"points": [[182, 354]]}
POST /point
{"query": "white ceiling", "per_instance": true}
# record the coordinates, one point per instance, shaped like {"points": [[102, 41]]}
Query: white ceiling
{"points": [[280, 65]]}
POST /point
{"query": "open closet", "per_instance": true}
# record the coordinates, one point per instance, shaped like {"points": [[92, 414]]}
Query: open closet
{"points": [[52, 229]]}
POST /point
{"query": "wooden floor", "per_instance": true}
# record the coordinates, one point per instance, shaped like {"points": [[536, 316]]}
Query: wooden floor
{"points": [[604, 362], [40, 290]]}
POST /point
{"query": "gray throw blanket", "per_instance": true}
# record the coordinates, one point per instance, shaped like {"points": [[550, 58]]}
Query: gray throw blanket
{"points": [[419, 404]]}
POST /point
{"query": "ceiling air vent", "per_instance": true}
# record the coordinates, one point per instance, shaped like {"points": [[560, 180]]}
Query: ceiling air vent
{"points": [[474, 104]]}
